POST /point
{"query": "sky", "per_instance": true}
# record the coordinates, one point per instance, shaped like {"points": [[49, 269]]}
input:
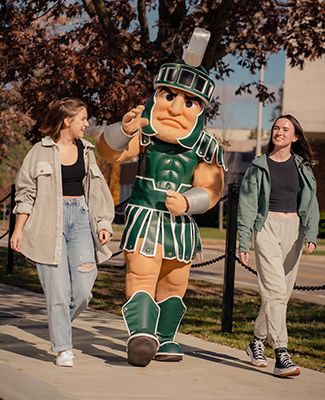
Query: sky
{"points": [[241, 111]]}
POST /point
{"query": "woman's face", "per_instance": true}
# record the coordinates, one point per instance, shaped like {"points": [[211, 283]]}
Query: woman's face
{"points": [[174, 114], [78, 124], [283, 133]]}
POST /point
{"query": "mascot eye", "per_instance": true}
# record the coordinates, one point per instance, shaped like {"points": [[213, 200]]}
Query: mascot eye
{"points": [[189, 103], [168, 96]]}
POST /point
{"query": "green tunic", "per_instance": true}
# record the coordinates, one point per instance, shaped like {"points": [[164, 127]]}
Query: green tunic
{"points": [[167, 167]]}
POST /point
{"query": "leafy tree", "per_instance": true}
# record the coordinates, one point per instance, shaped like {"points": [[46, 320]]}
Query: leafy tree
{"points": [[107, 52], [13, 147]]}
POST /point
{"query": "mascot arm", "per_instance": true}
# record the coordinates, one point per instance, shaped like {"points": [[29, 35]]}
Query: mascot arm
{"points": [[206, 191], [114, 156], [209, 177], [121, 140]]}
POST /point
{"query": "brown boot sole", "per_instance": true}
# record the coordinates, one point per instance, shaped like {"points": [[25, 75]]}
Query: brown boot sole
{"points": [[141, 350]]}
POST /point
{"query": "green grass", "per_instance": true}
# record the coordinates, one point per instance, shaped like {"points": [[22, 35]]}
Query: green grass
{"points": [[306, 322], [212, 233]]}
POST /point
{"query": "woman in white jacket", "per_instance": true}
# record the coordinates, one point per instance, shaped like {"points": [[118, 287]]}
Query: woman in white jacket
{"points": [[64, 213]]}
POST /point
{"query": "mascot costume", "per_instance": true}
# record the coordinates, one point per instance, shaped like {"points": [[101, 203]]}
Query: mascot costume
{"points": [[180, 173]]}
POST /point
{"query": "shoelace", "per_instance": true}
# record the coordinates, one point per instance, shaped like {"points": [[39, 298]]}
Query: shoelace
{"points": [[258, 350], [285, 359]]}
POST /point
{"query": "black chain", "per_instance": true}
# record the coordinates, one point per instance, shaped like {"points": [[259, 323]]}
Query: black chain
{"points": [[223, 198], [5, 198], [309, 288], [117, 253], [2, 236], [296, 287], [203, 264], [250, 269]]}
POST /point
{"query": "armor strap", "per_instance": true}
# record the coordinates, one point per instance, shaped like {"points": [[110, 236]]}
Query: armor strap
{"points": [[116, 138], [198, 201]]}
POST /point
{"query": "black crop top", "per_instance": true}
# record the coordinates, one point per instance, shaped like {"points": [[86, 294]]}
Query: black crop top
{"points": [[284, 185], [73, 175]]}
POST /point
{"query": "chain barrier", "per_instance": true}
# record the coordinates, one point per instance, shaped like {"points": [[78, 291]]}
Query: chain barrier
{"points": [[203, 264], [2, 236], [247, 267], [2, 201], [117, 253], [296, 287], [5, 198]]}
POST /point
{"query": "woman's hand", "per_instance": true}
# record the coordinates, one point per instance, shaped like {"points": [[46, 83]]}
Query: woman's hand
{"points": [[104, 236], [310, 247], [132, 121], [16, 239], [244, 257]]}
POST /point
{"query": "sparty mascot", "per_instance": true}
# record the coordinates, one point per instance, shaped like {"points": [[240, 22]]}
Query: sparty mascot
{"points": [[181, 173]]}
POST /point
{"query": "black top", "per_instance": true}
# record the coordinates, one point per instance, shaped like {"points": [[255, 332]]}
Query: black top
{"points": [[73, 175], [284, 185]]}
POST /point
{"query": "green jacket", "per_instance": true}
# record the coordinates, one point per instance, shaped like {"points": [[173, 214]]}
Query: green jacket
{"points": [[254, 199]]}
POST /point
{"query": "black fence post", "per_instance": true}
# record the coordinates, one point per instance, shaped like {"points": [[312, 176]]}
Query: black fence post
{"points": [[12, 220], [229, 272]]}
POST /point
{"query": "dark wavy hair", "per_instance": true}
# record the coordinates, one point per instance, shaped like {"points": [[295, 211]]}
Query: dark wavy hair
{"points": [[301, 147]]}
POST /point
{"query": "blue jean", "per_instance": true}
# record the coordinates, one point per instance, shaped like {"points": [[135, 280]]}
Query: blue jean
{"points": [[67, 286]]}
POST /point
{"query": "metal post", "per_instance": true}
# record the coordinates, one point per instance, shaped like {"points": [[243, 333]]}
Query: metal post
{"points": [[229, 272], [12, 220], [259, 117]]}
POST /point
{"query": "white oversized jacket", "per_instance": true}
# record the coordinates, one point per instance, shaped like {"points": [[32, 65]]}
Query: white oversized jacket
{"points": [[39, 194]]}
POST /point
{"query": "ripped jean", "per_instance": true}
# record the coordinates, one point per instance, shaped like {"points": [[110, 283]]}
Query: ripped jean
{"points": [[67, 286]]}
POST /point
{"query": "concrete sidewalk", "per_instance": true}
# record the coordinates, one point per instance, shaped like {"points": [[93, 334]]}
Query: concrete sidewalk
{"points": [[208, 371]]}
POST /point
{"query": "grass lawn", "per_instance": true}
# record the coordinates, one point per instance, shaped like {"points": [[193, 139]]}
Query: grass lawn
{"points": [[306, 321]]}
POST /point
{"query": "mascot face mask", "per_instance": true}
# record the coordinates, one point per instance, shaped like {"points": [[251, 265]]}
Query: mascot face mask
{"points": [[176, 109]]}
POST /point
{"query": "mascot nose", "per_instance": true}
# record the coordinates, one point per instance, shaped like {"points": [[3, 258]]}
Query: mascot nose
{"points": [[176, 106]]}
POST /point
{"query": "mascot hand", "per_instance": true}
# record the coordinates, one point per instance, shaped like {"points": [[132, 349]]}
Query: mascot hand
{"points": [[176, 203], [132, 121]]}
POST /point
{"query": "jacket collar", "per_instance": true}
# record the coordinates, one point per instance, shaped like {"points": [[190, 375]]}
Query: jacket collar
{"points": [[48, 142]]}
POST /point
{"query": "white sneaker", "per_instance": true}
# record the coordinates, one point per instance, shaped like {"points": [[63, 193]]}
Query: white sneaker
{"points": [[65, 358]]}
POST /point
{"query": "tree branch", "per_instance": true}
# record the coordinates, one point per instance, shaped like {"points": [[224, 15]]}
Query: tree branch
{"points": [[98, 8], [217, 26], [143, 20], [171, 14], [89, 7]]}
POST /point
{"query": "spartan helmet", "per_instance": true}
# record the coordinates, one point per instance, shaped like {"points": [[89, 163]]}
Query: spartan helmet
{"points": [[188, 76]]}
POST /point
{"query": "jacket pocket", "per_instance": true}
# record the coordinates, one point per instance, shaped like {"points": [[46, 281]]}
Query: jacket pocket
{"points": [[95, 171], [43, 168]]}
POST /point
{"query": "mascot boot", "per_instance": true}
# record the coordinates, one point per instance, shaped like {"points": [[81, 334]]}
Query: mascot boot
{"points": [[141, 314], [172, 311]]}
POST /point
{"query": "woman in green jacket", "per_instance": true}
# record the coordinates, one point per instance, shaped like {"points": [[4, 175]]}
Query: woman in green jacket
{"points": [[278, 204]]}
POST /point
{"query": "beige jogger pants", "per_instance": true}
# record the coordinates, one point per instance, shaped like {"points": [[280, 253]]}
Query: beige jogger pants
{"points": [[278, 249]]}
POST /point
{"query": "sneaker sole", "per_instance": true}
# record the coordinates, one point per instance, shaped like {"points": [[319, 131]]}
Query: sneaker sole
{"points": [[282, 373], [64, 364], [261, 364]]}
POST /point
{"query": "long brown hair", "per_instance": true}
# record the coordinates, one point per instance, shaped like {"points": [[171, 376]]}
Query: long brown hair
{"points": [[301, 147], [59, 110]]}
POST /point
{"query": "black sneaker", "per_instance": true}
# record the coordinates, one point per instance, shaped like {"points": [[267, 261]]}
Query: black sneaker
{"points": [[284, 366], [255, 351]]}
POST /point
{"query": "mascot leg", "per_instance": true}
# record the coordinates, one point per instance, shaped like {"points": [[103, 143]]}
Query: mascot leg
{"points": [[141, 314], [172, 311], [171, 288]]}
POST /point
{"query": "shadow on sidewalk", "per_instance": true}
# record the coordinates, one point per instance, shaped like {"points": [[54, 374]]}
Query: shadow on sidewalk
{"points": [[222, 359], [99, 341]]}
